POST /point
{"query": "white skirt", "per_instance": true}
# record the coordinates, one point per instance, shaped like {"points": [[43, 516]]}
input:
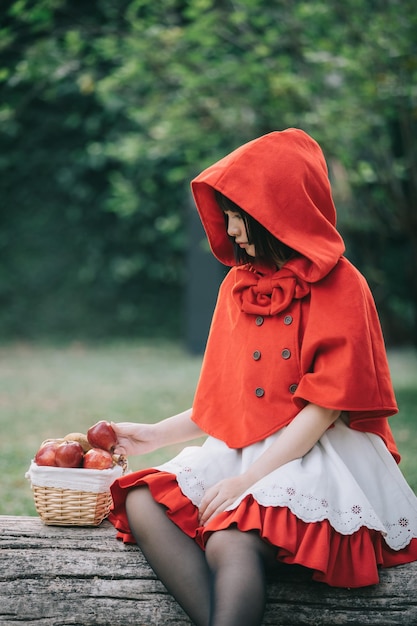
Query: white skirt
{"points": [[348, 478]]}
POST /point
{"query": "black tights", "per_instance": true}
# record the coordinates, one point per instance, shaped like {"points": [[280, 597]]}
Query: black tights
{"points": [[223, 586]]}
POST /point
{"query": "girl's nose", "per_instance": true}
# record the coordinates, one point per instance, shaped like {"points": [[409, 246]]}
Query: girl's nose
{"points": [[233, 227]]}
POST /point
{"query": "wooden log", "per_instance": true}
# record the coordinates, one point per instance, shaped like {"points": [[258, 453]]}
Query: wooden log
{"points": [[61, 576]]}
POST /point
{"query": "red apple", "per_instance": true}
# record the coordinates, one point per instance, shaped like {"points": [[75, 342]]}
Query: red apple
{"points": [[69, 454], [102, 435], [97, 458], [46, 453]]}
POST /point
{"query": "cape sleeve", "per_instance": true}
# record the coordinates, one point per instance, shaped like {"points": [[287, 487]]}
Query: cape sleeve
{"points": [[343, 356]]}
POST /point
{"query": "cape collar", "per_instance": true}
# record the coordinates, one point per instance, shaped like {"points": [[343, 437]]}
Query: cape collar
{"points": [[262, 291]]}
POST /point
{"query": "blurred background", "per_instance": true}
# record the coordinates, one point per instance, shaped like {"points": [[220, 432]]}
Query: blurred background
{"points": [[109, 107]]}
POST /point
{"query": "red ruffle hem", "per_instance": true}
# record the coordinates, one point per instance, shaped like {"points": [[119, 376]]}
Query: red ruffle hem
{"points": [[335, 559]]}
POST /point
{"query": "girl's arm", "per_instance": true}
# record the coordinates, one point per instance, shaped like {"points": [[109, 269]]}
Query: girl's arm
{"points": [[294, 442], [135, 439]]}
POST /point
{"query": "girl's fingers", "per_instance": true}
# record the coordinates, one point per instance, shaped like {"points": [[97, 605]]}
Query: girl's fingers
{"points": [[206, 506], [219, 497], [212, 507]]}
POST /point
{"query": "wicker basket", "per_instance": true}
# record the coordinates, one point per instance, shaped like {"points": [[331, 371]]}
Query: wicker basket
{"points": [[72, 497]]}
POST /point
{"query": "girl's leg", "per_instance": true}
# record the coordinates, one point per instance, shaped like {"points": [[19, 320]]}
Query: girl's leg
{"points": [[175, 558], [238, 561]]}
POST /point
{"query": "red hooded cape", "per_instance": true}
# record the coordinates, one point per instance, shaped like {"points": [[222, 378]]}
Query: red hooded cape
{"points": [[308, 332]]}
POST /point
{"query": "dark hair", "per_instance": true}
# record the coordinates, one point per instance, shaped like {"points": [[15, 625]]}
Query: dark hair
{"points": [[268, 248]]}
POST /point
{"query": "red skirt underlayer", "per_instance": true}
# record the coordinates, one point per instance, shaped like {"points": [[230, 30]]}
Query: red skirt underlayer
{"points": [[335, 559]]}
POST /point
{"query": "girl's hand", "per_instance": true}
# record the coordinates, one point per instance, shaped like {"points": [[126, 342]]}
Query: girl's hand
{"points": [[134, 439], [220, 496]]}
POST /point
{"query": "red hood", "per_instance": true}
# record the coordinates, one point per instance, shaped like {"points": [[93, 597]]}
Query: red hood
{"points": [[281, 180]]}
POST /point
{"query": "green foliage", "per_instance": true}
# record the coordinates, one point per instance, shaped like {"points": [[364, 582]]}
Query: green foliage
{"points": [[109, 108]]}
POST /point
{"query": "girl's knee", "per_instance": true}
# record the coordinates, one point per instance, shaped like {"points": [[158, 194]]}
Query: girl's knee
{"points": [[139, 503], [136, 497], [224, 543], [233, 544]]}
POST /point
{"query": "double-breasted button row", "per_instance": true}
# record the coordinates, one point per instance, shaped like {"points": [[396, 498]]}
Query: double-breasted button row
{"points": [[260, 392], [288, 319], [286, 354]]}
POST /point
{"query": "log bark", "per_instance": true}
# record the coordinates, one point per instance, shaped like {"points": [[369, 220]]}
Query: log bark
{"points": [[61, 576]]}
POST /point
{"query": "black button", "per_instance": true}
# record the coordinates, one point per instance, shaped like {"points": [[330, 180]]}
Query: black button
{"points": [[259, 320], [288, 320], [292, 388], [286, 353], [259, 392], [257, 355]]}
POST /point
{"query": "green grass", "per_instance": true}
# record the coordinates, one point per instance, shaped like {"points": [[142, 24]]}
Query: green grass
{"points": [[48, 391], [404, 425]]}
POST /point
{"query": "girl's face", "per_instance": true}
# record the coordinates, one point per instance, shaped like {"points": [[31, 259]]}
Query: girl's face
{"points": [[236, 228]]}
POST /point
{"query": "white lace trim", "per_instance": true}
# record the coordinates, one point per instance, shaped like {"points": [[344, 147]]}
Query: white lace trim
{"points": [[321, 486], [397, 531]]}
